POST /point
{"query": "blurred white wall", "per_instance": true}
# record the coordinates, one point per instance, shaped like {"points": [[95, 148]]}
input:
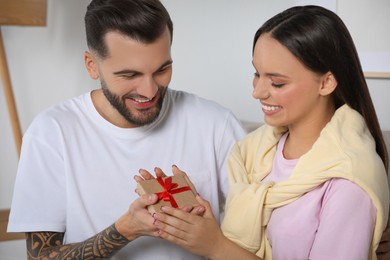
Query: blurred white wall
{"points": [[212, 57]]}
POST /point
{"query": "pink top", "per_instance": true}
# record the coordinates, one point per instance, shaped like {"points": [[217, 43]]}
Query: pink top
{"points": [[334, 221]]}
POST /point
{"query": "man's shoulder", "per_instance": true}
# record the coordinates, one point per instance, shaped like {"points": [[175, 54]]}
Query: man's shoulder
{"points": [[69, 105], [60, 113]]}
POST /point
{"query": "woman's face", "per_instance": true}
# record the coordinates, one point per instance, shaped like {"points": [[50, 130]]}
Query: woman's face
{"points": [[290, 93]]}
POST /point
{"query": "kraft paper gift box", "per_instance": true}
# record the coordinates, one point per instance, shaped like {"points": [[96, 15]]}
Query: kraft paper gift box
{"points": [[175, 191]]}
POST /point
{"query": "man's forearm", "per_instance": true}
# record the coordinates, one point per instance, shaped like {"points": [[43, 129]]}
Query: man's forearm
{"points": [[48, 245]]}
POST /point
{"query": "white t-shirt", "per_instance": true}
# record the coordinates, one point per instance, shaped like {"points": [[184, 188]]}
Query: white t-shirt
{"points": [[76, 169]]}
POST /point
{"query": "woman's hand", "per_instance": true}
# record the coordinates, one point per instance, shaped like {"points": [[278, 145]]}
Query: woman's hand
{"points": [[197, 230], [198, 234]]}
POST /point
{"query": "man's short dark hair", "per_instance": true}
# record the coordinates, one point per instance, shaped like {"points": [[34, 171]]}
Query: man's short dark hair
{"points": [[142, 20]]}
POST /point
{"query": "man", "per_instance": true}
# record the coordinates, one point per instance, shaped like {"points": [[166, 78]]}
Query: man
{"points": [[75, 176]]}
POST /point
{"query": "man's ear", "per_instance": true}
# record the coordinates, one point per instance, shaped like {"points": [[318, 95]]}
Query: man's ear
{"points": [[328, 84], [91, 65]]}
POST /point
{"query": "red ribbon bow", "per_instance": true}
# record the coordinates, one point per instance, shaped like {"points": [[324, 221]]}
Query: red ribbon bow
{"points": [[169, 190]]}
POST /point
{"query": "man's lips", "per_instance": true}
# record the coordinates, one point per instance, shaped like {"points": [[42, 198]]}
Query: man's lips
{"points": [[142, 103]]}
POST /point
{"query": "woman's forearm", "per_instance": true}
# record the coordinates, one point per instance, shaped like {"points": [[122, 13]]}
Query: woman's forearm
{"points": [[226, 249]]}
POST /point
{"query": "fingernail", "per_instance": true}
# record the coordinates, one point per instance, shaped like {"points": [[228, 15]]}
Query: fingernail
{"points": [[151, 197], [140, 170], [164, 208], [174, 165]]}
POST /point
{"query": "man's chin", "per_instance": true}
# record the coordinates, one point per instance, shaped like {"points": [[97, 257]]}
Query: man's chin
{"points": [[144, 119]]}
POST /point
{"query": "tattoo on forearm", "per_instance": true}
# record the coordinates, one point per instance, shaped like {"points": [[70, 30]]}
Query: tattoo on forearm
{"points": [[48, 245]]}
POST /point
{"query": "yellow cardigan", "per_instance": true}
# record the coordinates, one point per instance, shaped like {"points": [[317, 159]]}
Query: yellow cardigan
{"points": [[344, 149]]}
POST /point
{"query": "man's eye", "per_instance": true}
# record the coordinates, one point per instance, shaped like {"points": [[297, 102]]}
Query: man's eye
{"points": [[256, 75], [129, 76], [164, 69]]}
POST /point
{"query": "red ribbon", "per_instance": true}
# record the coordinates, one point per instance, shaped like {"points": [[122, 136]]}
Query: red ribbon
{"points": [[169, 190]]}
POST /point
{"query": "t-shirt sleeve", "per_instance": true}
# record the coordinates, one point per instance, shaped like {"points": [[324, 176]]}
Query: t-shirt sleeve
{"points": [[232, 132], [39, 200], [347, 222]]}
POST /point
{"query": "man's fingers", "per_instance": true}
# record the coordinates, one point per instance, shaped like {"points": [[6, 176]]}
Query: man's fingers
{"points": [[145, 200], [177, 171], [138, 178], [145, 174], [159, 172]]}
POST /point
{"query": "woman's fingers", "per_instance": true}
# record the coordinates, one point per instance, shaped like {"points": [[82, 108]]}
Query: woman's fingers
{"points": [[173, 224], [207, 211]]}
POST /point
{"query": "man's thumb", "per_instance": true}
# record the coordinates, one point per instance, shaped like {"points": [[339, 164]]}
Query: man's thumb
{"points": [[150, 199]]}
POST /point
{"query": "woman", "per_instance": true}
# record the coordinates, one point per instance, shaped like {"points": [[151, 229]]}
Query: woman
{"points": [[311, 183]]}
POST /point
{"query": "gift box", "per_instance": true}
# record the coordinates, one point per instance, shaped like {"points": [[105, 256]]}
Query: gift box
{"points": [[175, 191]]}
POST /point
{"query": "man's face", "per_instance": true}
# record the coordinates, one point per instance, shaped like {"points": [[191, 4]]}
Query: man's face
{"points": [[134, 77]]}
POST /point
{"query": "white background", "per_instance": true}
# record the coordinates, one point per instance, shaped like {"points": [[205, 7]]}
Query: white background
{"points": [[211, 52]]}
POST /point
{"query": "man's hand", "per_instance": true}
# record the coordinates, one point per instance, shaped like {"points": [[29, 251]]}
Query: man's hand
{"points": [[137, 220], [145, 175]]}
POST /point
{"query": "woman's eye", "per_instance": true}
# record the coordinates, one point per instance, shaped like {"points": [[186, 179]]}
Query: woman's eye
{"points": [[277, 85]]}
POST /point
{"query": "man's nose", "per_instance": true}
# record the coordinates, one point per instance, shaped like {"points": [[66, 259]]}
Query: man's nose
{"points": [[148, 87]]}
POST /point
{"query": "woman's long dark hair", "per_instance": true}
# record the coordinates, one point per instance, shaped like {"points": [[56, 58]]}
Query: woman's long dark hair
{"points": [[322, 42]]}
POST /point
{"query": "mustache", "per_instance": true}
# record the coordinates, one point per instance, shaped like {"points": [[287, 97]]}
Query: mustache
{"points": [[160, 91]]}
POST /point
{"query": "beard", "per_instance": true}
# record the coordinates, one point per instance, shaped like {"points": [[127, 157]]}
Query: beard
{"points": [[143, 116]]}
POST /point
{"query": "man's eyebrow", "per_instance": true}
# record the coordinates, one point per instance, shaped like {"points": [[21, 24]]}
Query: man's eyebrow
{"points": [[127, 71], [124, 72]]}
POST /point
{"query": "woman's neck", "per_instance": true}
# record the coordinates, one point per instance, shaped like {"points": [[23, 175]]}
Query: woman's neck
{"points": [[302, 136]]}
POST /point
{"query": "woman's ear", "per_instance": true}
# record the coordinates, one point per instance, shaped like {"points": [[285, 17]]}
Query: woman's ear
{"points": [[329, 84], [91, 65]]}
